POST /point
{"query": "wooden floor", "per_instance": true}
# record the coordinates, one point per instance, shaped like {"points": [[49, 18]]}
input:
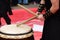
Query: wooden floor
{"points": [[27, 6]]}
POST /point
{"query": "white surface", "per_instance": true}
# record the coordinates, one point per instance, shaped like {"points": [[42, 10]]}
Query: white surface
{"points": [[37, 27], [13, 29]]}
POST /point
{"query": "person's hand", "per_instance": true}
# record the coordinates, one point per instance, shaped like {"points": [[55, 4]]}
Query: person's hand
{"points": [[41, 17]]}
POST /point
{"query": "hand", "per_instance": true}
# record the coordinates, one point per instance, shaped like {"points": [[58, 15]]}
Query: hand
{"points": [[41, 17]]}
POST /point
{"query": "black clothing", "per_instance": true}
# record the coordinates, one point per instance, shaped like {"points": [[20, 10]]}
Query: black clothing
{"points": [[9, 7], [37, 1], [51, 30], [4, 8], [48, 4], [14, 2]]}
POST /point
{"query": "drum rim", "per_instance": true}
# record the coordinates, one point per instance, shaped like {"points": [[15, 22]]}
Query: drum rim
{"points": [[16, 37], [16, 34]]}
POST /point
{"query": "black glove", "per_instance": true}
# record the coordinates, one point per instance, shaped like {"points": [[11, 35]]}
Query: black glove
{"points": [[47, 14], [41, 7]]}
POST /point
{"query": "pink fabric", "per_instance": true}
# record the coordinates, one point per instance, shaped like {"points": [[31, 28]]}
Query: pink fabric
{"points": [[21, 15]]}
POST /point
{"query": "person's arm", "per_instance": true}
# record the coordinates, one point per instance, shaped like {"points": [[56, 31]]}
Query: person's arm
{"points": [[40, 9], [42, 2], [41, 6], [53, 9], [55, 6]]}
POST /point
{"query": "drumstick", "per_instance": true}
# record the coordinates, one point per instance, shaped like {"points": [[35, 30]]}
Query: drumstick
{"points": [[27, 9], [26, 20]]}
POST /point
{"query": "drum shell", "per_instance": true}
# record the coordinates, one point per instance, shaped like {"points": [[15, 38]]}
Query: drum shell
{"points": [[29, 35], [22, 36], [29, 38]]}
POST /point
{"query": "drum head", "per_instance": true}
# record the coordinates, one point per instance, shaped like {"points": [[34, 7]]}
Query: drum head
{"points": [[14, 30]]}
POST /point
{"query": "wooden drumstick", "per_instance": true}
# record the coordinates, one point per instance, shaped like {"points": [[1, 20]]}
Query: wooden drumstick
{"points": [[27, 9], [29, 12], [26, 20]]}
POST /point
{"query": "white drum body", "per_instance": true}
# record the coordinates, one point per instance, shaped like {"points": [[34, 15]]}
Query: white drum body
{"points": [[14, 32]]}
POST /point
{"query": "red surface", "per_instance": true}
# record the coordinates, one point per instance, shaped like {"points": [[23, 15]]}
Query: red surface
{"points": [[21, 15]]}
